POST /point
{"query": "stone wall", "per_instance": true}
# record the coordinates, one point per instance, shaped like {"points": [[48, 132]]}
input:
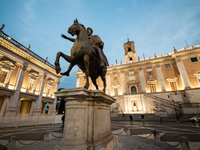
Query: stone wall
{"points": [[193, 95]]}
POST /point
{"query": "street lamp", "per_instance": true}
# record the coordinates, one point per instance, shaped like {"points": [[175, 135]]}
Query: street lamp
{"points": [[177, 118]]}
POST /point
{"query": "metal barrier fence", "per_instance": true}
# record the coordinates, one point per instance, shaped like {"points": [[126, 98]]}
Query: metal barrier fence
{"points": [[182, 140]]}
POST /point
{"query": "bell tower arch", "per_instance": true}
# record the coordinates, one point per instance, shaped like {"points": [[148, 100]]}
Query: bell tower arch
{"points": [[129, 49]]}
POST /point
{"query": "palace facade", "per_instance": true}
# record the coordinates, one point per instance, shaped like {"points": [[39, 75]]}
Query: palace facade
{"points": [[27, 85], [167, 83]]}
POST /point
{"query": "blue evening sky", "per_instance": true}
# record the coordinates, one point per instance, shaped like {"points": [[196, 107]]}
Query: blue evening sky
{"points": [[154, 25]]}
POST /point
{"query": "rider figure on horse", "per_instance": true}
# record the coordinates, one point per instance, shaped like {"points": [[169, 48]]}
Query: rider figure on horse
{"points": [[97, 44]]}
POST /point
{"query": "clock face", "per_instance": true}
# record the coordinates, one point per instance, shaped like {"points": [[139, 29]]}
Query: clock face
{"points": [[130, 54]]}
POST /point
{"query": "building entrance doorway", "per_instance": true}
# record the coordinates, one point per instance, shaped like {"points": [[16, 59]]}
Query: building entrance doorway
{"points": [[133, 89]]}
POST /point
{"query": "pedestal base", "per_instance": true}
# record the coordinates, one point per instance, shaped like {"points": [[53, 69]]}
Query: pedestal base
{"points": [[87, 120]]}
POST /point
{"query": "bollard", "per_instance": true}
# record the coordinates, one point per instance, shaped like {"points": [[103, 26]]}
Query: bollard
{"points": [[156, 136], [184, 143], [127, 130], [46, 135], [12, 143]]}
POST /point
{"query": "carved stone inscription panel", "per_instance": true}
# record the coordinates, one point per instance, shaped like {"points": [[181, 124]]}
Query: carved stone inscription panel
{"points": [[75, 124], [103, 121]]}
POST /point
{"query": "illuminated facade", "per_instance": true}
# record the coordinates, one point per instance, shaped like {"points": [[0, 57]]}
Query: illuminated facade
{"points": [[157, 84], [27, 85]]}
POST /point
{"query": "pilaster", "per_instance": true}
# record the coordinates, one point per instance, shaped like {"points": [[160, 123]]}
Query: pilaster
{"points": [[38, 104], [123, 82], [183, 74], [55, 99], [77, 81], [32, 108], [142, 80], [160, 77]]}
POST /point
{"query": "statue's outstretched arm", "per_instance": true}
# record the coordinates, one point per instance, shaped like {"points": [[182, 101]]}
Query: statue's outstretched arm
{"points": [[65, 37]]}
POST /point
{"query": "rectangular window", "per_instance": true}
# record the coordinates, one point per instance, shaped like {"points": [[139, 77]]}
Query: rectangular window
{"points": [[3, 75], [194, 59], [153, 87], [149, 69], [167, 66], [173, 86]]}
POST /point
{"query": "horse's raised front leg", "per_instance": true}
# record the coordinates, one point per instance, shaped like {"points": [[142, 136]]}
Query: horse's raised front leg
{"points": [[57, 64], [86, 63]]}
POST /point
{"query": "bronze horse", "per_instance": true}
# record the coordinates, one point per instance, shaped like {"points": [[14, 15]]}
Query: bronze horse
{"points": [[82, 55]]}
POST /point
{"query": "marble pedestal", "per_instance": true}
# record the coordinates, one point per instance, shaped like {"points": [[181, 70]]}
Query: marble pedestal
{"points": [[87, 120]]}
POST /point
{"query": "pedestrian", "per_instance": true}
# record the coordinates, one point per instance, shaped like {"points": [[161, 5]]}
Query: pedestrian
{"points": [[123, 114], [63, 122], [161, 118], [131, 118]]}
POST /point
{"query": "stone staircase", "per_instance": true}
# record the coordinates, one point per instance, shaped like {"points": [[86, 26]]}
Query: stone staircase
{"points": [[136, 116], [165, 102], [150, 117]]}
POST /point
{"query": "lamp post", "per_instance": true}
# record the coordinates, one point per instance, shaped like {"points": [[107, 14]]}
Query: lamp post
{"points": [[177, 117]]}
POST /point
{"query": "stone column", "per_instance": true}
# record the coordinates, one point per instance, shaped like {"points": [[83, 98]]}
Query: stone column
{"points": [[14, 99], [142, 80], [39, 99], [77, 81], [160, 77], [123, 82], [108, 83], [183, 74], [50, 109], [18, 74], [53, 111], [4, 106], [32, 108]]}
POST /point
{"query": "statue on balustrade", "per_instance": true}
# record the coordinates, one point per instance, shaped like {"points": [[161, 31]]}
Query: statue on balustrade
{"points": [[87, 53]]}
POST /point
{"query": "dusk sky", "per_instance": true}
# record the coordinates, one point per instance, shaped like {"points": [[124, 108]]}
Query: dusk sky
{"points": [[156, 26]]}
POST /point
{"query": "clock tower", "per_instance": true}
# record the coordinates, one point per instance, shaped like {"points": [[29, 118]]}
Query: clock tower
{"points": [[129, 48]]}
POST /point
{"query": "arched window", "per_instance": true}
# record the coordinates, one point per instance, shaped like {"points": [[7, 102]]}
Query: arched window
{"points": [[133, 89], [129, 49]]}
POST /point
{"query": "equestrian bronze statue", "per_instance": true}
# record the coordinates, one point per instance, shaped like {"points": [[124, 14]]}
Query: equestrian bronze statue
{"points": [[86, 53]]}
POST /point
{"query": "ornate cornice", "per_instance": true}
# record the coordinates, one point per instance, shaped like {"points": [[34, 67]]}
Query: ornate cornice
{"points": [[27, 56]]}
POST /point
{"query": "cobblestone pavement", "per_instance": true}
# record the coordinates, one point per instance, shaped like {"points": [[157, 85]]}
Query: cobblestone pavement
{"points": [[169, 131]]}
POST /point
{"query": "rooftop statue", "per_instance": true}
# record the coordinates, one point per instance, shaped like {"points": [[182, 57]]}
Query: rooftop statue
{"points": [[86, 53]]}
